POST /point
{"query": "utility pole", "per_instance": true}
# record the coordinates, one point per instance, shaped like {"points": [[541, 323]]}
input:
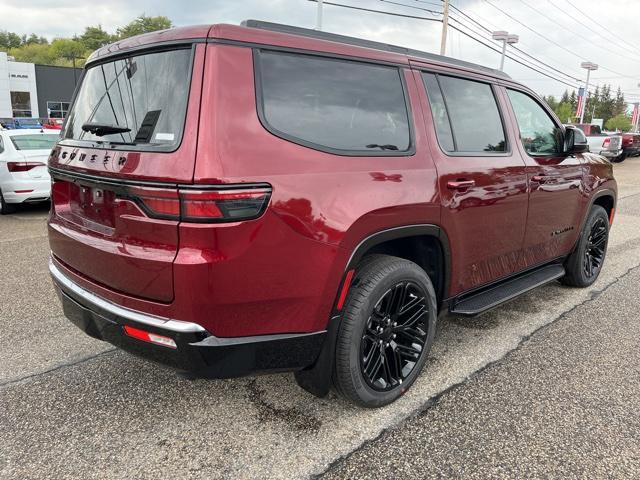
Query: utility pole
{"points": [[505, 38], [589, 66], [445, 24], [319, 16]]}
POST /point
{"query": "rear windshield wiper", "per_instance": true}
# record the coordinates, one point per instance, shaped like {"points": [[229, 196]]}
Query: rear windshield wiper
{"points": [[382, 147], [101, 129]]}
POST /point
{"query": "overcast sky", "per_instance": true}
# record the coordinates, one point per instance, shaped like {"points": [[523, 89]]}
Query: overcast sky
{"points": [[611, 42]]}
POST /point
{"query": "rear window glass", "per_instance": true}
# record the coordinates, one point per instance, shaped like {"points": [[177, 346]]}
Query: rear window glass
{"points": [[334, 104], [143, 96], [44, 141]]}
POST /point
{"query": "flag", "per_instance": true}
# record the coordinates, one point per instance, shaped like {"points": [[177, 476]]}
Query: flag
{"points": [[634, 116], [580, 107]]}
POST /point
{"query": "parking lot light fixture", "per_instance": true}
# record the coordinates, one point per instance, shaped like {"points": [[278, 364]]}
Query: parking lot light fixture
{"points": [[506, 38], [589, 66]]}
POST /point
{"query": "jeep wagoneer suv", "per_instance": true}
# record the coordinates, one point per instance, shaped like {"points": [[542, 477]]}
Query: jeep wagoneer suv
{"points": [[236, 199]]}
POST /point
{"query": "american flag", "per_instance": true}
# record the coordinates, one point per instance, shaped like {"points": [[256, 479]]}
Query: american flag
{"points": [[580, 102], [634, 116]]}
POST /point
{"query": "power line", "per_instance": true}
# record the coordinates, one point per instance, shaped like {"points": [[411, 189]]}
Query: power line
{"points": [[415, 17], [586, 39], [597, 23], [551, 40], [546, 65]]}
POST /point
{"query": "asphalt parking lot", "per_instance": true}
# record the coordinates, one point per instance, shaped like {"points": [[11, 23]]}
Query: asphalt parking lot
{"points": [[546, 386]]}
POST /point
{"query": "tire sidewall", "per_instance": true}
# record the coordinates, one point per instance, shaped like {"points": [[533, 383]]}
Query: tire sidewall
{"points": [[596, 212], [368, 396]]}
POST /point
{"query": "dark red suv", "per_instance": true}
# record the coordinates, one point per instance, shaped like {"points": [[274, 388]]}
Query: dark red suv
{"points": [[234, 199]]}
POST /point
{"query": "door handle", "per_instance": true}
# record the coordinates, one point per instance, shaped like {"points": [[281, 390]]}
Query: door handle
{"points": [[460, 184], [540, 178]]}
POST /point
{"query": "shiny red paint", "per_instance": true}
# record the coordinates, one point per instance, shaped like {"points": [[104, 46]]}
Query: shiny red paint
{"points": [[282, 272]]}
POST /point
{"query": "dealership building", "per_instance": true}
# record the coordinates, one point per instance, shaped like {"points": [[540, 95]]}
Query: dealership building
{"points": [[36, 91]]}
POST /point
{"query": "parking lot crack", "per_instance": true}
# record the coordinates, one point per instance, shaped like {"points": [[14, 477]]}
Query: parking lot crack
{"points": [[60, 366]]}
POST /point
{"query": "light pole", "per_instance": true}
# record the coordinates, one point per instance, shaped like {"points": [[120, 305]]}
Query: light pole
{"points": [[505, 38], [319, 16], [589, 66]]}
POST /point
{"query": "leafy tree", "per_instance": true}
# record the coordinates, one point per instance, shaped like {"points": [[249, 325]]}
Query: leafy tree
{"points": [[9, 40], [70, 50], [565, 97], [144, 24], [35, 53], [551, 101], [95, 37], [33, 38], [619, 122], [573, 100], [565, 112], [620, 106]]}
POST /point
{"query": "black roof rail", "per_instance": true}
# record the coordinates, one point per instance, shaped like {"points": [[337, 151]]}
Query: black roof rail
{"points": [[361, 42]]}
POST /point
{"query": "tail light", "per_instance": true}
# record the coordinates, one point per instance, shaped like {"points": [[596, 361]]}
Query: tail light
{"points": [[23, 166], [606, 143], [228, 204]]}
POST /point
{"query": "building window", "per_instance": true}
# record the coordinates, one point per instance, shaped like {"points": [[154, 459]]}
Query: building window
{"points": [[57, 109], [21, 104]]}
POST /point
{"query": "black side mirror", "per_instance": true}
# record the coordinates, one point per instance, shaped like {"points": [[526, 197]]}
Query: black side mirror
{"points": [[570, 145]]}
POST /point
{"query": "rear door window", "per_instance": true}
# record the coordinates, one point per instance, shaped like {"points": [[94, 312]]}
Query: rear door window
{"points": [[333, 105], [144, 94], [465, 114]]}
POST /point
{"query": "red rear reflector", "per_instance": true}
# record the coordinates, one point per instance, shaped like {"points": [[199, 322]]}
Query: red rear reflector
{"points": [[149, 337], [23, 191], [345, 288], [23, 166], [611, 215]]}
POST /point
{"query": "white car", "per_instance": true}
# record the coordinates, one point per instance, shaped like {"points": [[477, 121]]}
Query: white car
{"points": [[24, 177]]}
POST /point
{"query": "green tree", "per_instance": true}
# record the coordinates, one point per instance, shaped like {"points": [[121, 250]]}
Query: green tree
{"points": [[565, 112], [619, 122], [95, 37], [620, 106], [35, 53], [69, 50], [9, 40], [144, 24], [33, 38], [551, 101], [573, 100], [565, 97]]}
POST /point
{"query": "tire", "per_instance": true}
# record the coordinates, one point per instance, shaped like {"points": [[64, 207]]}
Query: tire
{"points": [[6, 208], [591, 250], [406, 338], [619, 158]]}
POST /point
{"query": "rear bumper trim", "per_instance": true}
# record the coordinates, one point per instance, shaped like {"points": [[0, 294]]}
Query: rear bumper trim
{"points": [[93, 300]]}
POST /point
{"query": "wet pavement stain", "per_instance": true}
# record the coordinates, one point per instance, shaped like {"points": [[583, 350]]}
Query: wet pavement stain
{"points": [[290, 416]]}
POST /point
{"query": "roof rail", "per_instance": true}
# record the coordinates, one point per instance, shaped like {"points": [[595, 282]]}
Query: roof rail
{"points": [[361, 42]]}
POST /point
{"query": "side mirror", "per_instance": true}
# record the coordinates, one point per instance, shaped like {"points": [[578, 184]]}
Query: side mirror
{"points": [[570, 145]]}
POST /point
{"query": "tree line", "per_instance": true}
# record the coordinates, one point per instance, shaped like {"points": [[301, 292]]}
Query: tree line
{"points": [[602, 103], [67, 52]]}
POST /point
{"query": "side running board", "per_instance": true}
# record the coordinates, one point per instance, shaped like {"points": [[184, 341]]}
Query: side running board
{"points": [[480, 302]]}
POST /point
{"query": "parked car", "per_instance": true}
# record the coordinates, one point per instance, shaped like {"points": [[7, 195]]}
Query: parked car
{"points": [[630, 144], [53, 123], [290, 199], [606, 144], [20, 123], [23, 167]]}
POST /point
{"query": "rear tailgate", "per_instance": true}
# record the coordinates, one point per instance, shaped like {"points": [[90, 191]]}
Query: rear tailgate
{"points": [[98, 226]]}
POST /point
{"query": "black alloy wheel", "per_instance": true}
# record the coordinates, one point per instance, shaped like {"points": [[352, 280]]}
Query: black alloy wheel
{"points": [[584, 264], [394, 336], [387, 326], [595, 248]]}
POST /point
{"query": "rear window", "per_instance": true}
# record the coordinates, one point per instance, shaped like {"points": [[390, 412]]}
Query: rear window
{"points": [[43, 141], [465, 114], [331, 104], [145, 96]]}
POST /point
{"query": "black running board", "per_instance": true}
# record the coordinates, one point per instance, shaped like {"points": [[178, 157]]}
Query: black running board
{"points": [[506, 290]]}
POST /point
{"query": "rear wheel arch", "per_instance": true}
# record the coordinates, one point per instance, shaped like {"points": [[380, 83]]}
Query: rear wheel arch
{"points": [[606, 200], [427, 245]]}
